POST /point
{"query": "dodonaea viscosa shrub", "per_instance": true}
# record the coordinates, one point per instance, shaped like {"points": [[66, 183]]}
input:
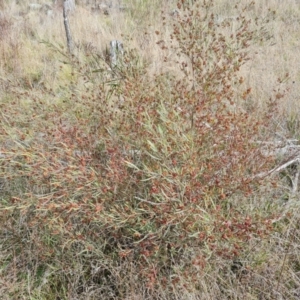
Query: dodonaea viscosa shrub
{"points": [[144, 170]]}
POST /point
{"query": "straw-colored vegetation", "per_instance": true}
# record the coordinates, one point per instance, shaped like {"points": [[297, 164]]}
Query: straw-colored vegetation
{"points": [[150, 180]]}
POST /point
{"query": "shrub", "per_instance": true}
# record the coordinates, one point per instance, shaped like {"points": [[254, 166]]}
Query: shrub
{"points": [[139, 172]]}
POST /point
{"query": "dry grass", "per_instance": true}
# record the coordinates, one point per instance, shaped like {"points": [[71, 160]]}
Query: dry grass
{"points": [[125, 184]]}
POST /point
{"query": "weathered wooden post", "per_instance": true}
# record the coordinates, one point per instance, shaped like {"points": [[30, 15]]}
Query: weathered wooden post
{"points": [[69, 5], [116, 52]]}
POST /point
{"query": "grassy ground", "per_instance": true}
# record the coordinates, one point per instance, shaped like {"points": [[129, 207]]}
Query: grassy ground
{"points": [[144, 181]]}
